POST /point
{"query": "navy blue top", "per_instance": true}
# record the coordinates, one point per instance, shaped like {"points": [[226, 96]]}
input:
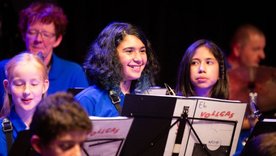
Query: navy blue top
{"points": [[18, 125], [63, 75], [97, 102]]}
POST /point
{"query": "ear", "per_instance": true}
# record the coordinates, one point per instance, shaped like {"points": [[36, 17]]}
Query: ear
{"points": [[45, 86], [58, 40], [36, 144], [236, 50], [6, 86]]}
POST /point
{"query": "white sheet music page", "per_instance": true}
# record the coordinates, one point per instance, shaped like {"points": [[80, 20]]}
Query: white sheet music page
{"points": [[107, 136], [220, 137]]}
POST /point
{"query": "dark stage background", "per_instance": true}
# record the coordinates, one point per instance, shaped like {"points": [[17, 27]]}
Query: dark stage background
{"points": [[171, 25]]}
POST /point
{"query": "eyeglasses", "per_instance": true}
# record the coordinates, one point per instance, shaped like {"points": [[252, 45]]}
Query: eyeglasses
{"points": [[44, 34]]}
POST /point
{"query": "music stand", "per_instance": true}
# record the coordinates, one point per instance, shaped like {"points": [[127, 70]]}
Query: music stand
{"points": [[153, 120], [150, 133]]}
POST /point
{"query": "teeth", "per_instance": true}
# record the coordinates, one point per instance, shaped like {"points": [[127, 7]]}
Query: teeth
{"points": [[136, 68]]}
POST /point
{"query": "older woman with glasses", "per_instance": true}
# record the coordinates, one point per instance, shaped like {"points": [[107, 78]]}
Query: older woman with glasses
{"points": [[42, 26]]}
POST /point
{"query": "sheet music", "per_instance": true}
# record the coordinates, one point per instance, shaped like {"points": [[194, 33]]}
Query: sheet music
{"points": [[107, 136], [216, 136]]}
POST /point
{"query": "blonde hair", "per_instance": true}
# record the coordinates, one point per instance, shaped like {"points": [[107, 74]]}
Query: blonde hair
{"points": [[9, 69]]}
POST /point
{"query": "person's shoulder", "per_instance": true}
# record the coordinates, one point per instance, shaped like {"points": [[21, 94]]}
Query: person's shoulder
{"points": [[63, 61], [66, 63], [92, 91]]}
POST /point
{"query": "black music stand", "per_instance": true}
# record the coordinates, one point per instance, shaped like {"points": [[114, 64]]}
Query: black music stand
{"points": [[152, 122]]}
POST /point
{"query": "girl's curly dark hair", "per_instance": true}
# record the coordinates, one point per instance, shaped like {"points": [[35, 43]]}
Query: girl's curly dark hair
{"points": [[102, 63]]}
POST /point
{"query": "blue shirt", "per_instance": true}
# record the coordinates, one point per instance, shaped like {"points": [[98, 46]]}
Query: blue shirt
{"points": [[63, 75], [18, 125], [97, 102]]}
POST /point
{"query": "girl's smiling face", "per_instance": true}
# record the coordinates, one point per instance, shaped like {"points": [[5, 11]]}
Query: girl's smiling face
{"points": [[133, 57]]}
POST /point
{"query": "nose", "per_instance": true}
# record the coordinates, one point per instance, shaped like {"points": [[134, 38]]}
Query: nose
{"points": [[262, 54], [38, 36], [27, 90], [77, 150], [201, 68], [137, 57]]}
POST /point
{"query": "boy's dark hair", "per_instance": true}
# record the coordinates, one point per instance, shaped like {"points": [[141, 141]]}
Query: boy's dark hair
{"points": [[59, 113]]}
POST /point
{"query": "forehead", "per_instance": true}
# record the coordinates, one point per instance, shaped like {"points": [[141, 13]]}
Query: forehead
{"points": [[42, 26], [27, 68], [77, 136], [130, 40], [203, 52], [257, 38]]}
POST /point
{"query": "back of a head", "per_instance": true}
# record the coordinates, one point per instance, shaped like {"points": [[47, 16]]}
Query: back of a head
{"points": [[58, 114]]}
